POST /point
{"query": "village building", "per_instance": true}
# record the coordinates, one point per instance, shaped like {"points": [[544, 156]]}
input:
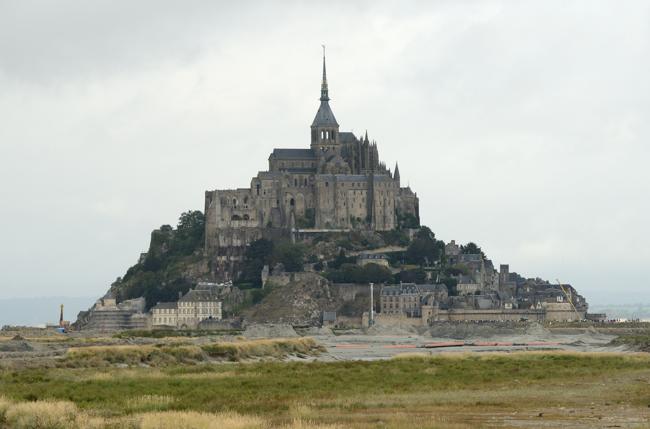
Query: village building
{"points": [[191, 309]]}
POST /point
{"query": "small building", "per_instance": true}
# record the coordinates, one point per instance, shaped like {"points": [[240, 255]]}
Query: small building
{"points": [[197, 305], [192, 308], [164, 314], [408, 298], [366, 258]]}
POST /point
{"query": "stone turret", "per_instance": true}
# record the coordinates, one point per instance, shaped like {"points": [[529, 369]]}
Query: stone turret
{"points": [[396, 175]]}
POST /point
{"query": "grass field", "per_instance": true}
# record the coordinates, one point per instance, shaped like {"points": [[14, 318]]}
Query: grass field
{"points": [[448, 391]]}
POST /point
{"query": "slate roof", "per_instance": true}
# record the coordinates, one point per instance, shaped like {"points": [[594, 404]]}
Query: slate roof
{"points": [[165, 305], [293, 154], [347, 137], [324, 116]]}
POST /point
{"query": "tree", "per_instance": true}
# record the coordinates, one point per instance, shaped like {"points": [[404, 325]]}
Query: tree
{"points": [[417, 276], [375, 273], [290, 255], [261, 250], [340, 260], [424, 249], [257, 254], [471, 249], [189, 233]]}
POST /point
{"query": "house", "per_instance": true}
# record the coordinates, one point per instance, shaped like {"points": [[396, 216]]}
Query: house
{"points": [[193, 307], [408, 298], [164, 314]]}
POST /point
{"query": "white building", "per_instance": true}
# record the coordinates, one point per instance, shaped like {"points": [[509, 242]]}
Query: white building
{"points": [[192, 308], [164, 314], [198, 305]]}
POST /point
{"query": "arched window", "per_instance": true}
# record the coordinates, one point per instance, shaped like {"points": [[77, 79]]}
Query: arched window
{"points": [[246, 217], [292, 202], [234, 201]]}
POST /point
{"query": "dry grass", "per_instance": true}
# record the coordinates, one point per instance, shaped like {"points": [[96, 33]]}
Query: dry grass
{"points": [[153, 355], [179, 352], [195, 420], [4, 406], [265, 348], [145, 403], [42, 415]]}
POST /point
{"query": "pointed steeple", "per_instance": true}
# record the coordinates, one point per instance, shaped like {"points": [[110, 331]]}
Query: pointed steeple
{"points": [[324, 128], [324, 95], [396, 174]]}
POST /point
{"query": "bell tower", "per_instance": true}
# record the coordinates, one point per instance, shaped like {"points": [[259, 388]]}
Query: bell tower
{"points": [[324, 129]]}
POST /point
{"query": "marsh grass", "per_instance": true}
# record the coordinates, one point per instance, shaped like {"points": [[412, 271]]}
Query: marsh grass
{"points": [[267, 348], [199, 420], [172, 353], [419, 390], [42, 415]]}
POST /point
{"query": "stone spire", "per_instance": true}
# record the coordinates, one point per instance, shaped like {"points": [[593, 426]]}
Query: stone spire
{"points": [[324, 95], [396, 174], [324, 128]]}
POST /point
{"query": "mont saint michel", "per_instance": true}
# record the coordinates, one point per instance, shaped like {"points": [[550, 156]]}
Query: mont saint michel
{"points": [[324, 215], [303, 242]]}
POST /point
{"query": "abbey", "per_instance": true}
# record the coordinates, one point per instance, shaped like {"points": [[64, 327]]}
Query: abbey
{"points": [[338, 183]]}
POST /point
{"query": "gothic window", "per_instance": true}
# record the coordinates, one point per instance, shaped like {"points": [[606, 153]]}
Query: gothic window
{"points": [[295, 182], [305, 181], [234, 202], [292, 202], [245, 200]]}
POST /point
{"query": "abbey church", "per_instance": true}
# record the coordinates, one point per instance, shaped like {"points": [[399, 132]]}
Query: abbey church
{"points": [[336, 184]]}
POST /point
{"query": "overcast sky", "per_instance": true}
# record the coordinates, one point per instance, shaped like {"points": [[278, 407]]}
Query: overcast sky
{"points": [[523, 126]]}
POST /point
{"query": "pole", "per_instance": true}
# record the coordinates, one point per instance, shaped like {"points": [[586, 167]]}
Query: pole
{"points": [[371, 317]]}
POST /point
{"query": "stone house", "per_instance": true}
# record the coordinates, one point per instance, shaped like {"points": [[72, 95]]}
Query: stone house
{"points": [[165, 314], [198, 305], [408, 298], [192, 308]]}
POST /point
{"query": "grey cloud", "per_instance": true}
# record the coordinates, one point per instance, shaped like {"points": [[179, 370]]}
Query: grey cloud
{"points": [[521, 125]]}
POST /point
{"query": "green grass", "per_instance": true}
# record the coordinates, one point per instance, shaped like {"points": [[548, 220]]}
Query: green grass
{"points": [[271, 387]]}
